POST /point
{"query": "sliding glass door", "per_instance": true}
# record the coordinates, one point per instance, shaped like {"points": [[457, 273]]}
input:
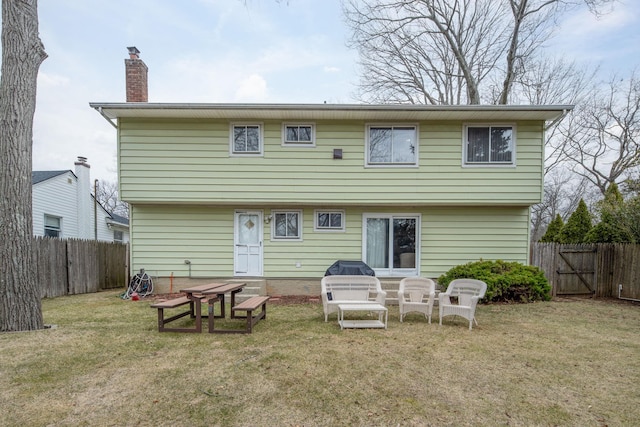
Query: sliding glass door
{"points": [[391, 244]]}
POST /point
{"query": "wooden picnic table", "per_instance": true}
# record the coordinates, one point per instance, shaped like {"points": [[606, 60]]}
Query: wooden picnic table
{"points": [[218, 294], [195, 294]]}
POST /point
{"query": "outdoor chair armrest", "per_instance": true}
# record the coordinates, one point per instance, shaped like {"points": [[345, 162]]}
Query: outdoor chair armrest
{"points": [[443, 298]]}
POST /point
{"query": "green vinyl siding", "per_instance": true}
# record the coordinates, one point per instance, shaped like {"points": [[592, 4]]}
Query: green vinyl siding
{"points": [[164, 236], [188, 162]]}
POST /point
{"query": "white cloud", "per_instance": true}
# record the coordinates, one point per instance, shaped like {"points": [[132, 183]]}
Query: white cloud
{"points": [[329, 69], [252, 89]]}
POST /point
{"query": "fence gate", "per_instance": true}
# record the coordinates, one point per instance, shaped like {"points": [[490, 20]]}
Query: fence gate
{"points": [[576, 272]]}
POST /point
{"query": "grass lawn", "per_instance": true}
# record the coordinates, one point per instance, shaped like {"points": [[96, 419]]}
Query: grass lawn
{"points": [[564, 363]]}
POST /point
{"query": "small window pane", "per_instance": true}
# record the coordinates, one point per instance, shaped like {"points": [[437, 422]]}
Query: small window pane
{"points": [[501, 144], [336, 220], [380, 145], [323, 220], [404, 145], [239, 139], [304, 133], [286, 225], [253, 139], [478, 149], [292, 133], [51, 221]]}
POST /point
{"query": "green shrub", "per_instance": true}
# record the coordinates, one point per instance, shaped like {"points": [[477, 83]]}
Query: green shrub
{"points": [[506, 281]]}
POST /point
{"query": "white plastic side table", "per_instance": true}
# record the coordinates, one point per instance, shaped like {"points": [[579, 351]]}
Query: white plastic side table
{"points": [[381, 322]]}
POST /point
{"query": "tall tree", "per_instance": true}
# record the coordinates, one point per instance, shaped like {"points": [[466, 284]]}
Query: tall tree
{"points": [[22, 54], [553, 230], [562, 193], [577, 226], [614, 225], [107, 196], [600, 140], [451, 52]]}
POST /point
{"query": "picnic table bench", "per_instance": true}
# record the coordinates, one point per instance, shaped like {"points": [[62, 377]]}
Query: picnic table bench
{"points": [[175, 303], [248, 306]]}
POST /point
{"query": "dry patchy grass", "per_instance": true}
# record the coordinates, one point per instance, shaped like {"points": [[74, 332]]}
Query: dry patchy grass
{"points": [[569, 363]]}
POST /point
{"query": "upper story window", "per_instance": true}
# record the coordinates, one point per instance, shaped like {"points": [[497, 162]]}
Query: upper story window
{"points": [[299, 134], [246, 138], [287, 225], [327, 220], [489, 145], [392, 145], [52, 226]]}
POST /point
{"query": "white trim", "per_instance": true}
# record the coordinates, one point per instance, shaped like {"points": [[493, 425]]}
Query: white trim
{"points": [[367, 131], [309, 144], [329, 229], [391, 271], [260, 126], [273, 213], [489, 164]]}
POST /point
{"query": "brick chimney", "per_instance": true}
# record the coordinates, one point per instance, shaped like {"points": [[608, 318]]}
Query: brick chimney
{"points": [[136, 77]]}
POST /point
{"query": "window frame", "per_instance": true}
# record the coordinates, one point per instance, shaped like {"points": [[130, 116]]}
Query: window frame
{"points": [[317, 228], [492, 164], [277, 238], [232, 127], [287, 143], [367, 156], [393, 271], [46, 227]]}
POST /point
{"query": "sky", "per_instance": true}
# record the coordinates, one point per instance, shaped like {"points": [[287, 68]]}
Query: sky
{"points": [[227, 51]]}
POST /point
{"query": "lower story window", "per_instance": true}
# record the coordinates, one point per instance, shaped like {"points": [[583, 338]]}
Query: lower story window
{"points": [[287, 225], [391, 243], [329, 221], [52, 226], [117, 236]]}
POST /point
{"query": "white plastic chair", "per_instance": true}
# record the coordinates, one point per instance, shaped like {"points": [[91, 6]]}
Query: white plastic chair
{"points": [[416, 294], [468, 292]]}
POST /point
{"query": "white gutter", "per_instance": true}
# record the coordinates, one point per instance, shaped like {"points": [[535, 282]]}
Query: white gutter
{"points": [[99, 110], [558, 119]]}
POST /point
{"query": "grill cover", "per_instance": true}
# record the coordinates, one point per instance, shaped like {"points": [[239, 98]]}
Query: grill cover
{"points": [[349, 268]]}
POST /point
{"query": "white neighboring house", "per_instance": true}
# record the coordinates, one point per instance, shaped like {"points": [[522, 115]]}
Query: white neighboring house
{"points": [[64, 207]]}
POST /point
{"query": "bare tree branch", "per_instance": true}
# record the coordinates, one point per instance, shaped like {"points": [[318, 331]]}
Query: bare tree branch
{"points": [[108, 198], [450, 52], [601, 139]]}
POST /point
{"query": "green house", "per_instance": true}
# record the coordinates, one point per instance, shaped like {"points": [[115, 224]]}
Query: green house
{"points": [[278, 192]]}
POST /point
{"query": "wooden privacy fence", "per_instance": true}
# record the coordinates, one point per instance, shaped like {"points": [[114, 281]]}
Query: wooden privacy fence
{"points": [[590, 269], [70, 266]]}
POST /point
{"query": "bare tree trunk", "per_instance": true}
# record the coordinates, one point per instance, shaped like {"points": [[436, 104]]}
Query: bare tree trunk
{"points": [[22, 54]]}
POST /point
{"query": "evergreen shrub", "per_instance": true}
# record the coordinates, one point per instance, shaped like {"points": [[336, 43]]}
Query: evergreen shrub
{"points": [[506, 281]]}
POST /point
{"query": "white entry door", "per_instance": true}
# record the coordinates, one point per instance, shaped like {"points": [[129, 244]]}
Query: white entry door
{"points": [[248, 243]]}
